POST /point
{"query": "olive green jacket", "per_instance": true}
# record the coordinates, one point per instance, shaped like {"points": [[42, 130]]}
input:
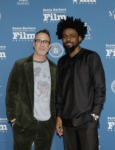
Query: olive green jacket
{"points": [[20, 92]]}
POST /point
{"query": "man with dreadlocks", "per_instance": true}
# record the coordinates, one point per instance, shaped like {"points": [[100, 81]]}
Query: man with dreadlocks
{"points": [[81, 89]]}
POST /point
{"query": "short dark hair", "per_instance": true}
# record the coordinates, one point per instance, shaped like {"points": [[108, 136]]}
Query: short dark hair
{"points": [[44, 31], [70, 22]]}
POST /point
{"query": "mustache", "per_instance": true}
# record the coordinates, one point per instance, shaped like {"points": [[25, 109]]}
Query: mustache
{"points": [[68, 43]]}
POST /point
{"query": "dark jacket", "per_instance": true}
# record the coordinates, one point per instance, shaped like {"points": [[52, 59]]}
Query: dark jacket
{"points": [[20, 92], [81, 87]]}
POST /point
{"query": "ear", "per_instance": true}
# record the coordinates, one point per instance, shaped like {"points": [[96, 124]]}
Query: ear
{"points": [[80, 39], [33, 44], [49, 46]]}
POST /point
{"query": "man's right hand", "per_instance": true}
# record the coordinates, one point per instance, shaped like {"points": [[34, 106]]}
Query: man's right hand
{"points": [[59, 127]]}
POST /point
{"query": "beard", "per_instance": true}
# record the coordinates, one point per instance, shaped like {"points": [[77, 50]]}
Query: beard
{"points": [[70, 49]]}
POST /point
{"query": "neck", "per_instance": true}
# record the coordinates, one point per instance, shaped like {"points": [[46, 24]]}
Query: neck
{"points": [[39, 57], [77, 49]]}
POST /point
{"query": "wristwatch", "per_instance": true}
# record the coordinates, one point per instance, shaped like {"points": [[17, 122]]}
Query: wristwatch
{"points": [[96, 117]]}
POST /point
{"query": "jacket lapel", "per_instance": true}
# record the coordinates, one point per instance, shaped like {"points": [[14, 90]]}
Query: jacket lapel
{"points": [[30, 77]]}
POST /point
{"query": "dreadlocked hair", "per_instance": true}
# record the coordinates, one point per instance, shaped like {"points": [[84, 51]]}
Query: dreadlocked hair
{"points": [[70, 22]]}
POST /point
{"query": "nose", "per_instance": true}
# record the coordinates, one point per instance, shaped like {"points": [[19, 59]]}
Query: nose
{"points": [[68, 38]]}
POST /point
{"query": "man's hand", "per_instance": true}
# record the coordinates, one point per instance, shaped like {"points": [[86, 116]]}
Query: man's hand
{"points": [[59, 128], [12, 122]]}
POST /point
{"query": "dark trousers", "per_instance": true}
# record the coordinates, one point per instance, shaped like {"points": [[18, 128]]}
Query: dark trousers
{"points": [[84, 137], [40, 133]]}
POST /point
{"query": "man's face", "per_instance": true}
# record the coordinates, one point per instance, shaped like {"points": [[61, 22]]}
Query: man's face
{"points": [[70, 39], [41, 44]]}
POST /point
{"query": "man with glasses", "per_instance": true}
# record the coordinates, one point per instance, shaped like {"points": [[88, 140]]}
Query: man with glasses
{"points": [[30, 97], [81, 89]]}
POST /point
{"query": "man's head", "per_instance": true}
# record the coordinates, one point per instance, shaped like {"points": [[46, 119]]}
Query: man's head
{"points": [[43, 31], [72, 23], [72, 32], [41, 42]]}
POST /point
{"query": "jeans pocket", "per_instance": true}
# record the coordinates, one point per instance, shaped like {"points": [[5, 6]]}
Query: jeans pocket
{"points": [[16, 128]]}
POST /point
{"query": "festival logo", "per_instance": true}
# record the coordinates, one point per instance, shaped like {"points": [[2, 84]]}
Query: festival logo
{"points": [[23, 33], [111, 124], [88, 35], [23, 2], [112, 14], [51, 15], [2, 52], [110, 51], [56, 50], [113, 86], [84, 1], [3, 126]]}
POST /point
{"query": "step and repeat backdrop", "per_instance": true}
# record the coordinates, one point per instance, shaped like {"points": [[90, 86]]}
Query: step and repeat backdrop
{"points": [[21, 19]]}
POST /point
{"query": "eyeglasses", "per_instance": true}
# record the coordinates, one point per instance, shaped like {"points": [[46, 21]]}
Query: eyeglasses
{"points": [[38, 41]]}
